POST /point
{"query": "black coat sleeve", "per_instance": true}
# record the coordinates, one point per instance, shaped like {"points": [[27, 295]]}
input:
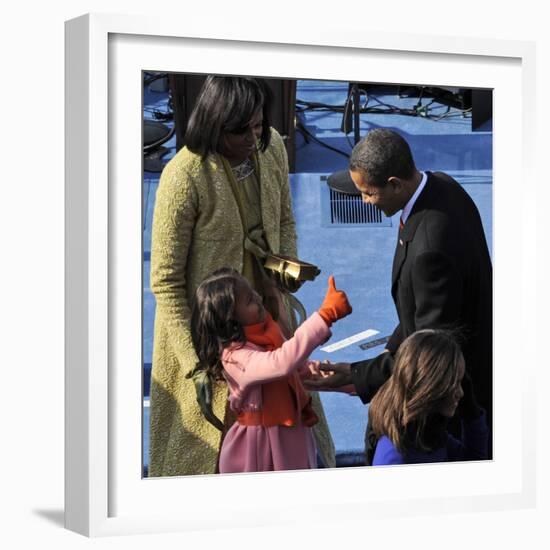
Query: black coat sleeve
{"points": [[369, 375], [395, 339], [438, 294]]}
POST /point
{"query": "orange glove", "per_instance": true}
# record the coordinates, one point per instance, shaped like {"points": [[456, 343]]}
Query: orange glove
{"points": [[335, 305]]}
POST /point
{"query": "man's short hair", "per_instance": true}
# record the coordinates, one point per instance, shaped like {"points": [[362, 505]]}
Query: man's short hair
{"points": [[382, 154]]}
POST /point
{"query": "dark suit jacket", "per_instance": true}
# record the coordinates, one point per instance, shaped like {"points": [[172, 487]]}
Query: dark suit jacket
{"points": [[441, 278]]}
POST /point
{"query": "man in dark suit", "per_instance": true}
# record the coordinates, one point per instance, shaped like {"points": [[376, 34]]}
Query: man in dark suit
{"points": [[442, 272]]}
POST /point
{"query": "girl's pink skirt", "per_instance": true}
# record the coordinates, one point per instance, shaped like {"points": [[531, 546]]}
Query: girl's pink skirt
{"points": [[265, 449]]}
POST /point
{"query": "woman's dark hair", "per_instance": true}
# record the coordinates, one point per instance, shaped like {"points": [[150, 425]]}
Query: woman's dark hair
{"points": [[213, 324], [425, 373], [382, 154], [227, 104]]}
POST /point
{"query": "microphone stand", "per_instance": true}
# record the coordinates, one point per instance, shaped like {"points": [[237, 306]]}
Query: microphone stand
{"points": [[341, 181]]}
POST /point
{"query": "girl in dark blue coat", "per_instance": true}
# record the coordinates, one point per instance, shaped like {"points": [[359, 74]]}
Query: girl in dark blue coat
{"points": [[410, 412]]}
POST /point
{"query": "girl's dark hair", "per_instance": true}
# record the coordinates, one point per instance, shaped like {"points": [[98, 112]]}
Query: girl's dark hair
{"points": [[425, 372], [227, 104], [213, 324]]}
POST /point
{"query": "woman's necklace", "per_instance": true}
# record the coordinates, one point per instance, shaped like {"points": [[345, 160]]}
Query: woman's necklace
{"points": [[243, 170]]}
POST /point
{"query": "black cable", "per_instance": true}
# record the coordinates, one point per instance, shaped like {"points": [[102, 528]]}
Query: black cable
{"points": [[347, 118], [160, 141], [300, 127], [461, 114], [385, 108], [153, 76], [348, 104], [314, 106], [159, 115]]}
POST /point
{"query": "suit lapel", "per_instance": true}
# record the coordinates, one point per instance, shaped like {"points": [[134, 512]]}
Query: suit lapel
{"points": [[398, 259], [406, 235]]}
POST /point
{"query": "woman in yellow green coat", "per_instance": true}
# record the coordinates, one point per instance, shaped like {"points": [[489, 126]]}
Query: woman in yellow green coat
{"points": [[230, 181]]}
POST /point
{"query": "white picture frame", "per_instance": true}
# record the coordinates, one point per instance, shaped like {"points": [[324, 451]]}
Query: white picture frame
{"points": [[105, 491]]}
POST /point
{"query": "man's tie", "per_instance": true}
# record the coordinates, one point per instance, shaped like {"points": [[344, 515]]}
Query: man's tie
{"points": [[401, 224]]}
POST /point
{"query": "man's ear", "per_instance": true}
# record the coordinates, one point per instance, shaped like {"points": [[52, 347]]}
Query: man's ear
{"points": [[397, 184]]}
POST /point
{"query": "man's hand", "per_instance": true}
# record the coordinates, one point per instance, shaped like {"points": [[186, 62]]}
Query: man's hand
{"points": [[313, 370], [332, 375]]}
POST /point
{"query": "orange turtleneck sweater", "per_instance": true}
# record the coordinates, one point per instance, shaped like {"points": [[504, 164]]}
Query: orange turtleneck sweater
{"points": [[281, 399]]}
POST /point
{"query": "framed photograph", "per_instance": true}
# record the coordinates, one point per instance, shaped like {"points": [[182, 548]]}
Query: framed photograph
{"points": [[106, 491]]}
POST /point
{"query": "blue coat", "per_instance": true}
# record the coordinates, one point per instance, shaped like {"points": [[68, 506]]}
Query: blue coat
{"points": [[472, 446]]}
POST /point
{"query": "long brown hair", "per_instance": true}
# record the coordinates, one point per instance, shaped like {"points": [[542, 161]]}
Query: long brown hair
{"points": [[213, 323], [426, 371]]}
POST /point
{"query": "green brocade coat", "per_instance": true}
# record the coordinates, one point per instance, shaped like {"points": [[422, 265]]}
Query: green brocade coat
{"points": [[197, 229]]}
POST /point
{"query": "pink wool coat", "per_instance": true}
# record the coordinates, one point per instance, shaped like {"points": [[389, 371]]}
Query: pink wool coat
{"points": [[246, 368]]}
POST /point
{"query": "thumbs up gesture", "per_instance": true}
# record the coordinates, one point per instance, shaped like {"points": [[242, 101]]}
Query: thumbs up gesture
{"points": [[335, 305]]}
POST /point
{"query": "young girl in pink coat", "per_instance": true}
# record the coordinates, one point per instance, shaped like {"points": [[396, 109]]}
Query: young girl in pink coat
{"points": [[237, 338]]}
